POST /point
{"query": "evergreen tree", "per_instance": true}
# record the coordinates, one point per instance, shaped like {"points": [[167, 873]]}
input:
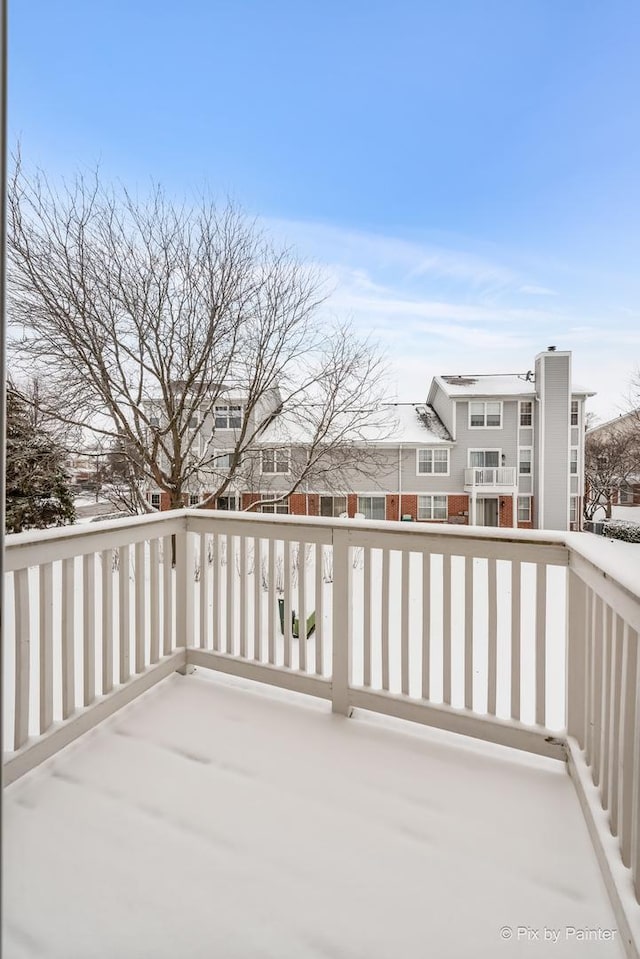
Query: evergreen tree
{"points": [[38, 493]]}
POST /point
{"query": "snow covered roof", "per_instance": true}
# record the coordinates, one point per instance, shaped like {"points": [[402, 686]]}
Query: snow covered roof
{"points": [[495, 384], [392, 424]]}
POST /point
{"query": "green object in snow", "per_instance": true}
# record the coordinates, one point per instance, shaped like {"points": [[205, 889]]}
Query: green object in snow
{"points": [[295, 622]]}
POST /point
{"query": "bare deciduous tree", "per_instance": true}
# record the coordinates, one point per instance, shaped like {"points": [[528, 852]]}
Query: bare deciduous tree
{"points": [[146, 314], [612, 456]]}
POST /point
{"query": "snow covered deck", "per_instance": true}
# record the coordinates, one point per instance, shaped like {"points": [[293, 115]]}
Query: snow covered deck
{"points": [[205, 819], [214, 817]]}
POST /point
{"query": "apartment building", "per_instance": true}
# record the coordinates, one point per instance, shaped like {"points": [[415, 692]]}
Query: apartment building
{"points": [[503, 450]]}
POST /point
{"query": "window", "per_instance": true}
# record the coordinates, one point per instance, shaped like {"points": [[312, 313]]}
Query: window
{"points": [[432, 507], [194, 499], [154, 422], [526, 413], [524, 462], [275, 508], [575, 409], [222, 460], [228, 417], [193, 423], [275, 461], [573, 461], [485, 414], [573, 509], [228, 502], [372, 507], [333, 505], [625, 495], [433, 461], [155, 500], [524, 509], [484, 458]]}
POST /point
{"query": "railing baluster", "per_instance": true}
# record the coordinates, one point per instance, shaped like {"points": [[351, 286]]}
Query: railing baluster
{"points": [[404, 624], [541, 644], [288, 639], [124, 609], [272, 604], [302, 601], [634, 852], [216, 591], [243, 597], [516, 573], [604, 715], [231, 592], [492, 637], [628, 733], [426, 626], [577, 657], [385, 619], [67, 630], [446, 629], [366, 616], [140, 607], [154, 601], [615, 692], [88, 627], [319, 634], [596, 717], [167, 594], [46, 646], [257, 599], [468, 632], [22, 657], [107, 620], [204, 592], [589, 676]]}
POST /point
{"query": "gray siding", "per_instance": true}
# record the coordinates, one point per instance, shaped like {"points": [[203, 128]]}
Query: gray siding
{"points": [[553, 379], [505, 439]]}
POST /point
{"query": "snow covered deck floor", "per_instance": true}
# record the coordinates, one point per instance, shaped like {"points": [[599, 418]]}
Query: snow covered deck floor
{"points": [[213, 818]]}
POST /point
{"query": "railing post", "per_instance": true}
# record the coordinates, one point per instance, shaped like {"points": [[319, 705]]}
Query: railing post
{"points": [[576, 657], [342, 617], [185, 594]]}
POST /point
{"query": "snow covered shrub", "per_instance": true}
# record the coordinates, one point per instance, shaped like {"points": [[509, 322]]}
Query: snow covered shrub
{"points": [[622, 529]]}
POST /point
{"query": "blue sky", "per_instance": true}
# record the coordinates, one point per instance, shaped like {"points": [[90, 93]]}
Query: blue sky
{"points": [[466, 172]]}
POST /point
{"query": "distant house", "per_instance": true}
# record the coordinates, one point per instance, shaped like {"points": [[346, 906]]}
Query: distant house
{"points": [[625, 489], [503, 450]]}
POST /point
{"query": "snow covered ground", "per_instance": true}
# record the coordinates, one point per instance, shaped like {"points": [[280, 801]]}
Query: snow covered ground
{"points": [[213, 818]]}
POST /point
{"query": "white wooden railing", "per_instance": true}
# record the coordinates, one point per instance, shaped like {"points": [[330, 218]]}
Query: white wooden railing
{"points": [[522, 638], [490, 476]]}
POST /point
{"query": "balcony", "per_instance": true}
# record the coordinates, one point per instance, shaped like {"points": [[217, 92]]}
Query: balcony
{"points": [[499, 479], [227, 812]]}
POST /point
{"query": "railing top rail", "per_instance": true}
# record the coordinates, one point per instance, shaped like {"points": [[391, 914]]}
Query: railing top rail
{"points": [[616, 562]]}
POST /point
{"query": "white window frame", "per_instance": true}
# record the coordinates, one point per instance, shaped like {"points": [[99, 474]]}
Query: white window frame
{"points": [[521, 450], [333, 497], [432, 497], [230, 496], [485, 403], [523, 499], [576, 413], [153, 497], [227, 407], [277, 451], [281, 509], [217, 453], [154, 422], [572, 461], [521, 403], [573, 509], [372, 496], [482, 449], [194, 499], [432, 471]]}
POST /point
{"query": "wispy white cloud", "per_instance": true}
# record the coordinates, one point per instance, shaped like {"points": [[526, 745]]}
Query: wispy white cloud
{"points": [[437, 309]]}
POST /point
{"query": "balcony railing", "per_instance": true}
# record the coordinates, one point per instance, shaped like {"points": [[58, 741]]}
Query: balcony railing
{"points": [[463, 630], [490, 476]]}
